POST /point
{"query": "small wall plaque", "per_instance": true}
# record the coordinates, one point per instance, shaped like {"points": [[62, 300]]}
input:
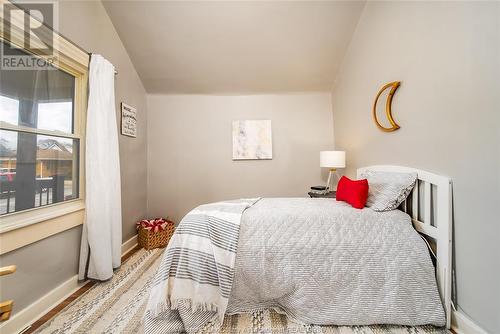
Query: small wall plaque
{"points": [[129, 120]]}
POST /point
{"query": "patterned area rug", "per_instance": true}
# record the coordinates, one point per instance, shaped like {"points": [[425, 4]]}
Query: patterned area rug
{"points": [[117, 306]]}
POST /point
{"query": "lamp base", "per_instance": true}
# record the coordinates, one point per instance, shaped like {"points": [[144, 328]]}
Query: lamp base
{"points": [[331, 175]]}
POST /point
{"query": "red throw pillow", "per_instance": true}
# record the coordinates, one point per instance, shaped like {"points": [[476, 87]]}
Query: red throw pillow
{"points": [[354, 192]]}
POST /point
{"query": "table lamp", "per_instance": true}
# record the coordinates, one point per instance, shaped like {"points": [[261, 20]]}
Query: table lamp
{"points": [[332, 160]]}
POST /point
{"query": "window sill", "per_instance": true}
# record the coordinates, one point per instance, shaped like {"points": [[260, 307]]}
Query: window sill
{"points": [[25, 218], [22, 228]]}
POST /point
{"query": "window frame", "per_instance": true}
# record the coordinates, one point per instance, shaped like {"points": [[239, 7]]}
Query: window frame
{"points": [[16, 228]]}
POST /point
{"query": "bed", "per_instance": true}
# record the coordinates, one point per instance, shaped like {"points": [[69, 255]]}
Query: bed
{"points": [[318, 261]]}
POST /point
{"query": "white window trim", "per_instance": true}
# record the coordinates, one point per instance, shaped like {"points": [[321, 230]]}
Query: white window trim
{"points": [[18, 229], [36, 215], [29, 234]]}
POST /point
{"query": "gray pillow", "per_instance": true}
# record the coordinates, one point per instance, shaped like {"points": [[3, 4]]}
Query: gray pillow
{"points": [[387, 190]]}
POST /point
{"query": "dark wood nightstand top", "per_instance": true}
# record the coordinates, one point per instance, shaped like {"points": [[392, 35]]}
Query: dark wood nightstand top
{"points": [[330, 194]]}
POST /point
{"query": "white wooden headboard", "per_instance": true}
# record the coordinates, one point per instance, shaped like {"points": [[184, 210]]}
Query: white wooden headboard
{"points": [[430, 207]]}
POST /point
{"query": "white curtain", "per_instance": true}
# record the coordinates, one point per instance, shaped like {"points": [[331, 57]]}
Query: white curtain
{"points": [[100, 249]]}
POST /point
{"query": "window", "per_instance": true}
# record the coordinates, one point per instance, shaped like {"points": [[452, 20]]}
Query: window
{"points": [[39, 149], [42, 117]]}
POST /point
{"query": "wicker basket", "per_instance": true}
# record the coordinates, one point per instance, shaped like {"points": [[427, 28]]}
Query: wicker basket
{"points": [[149, 239]]}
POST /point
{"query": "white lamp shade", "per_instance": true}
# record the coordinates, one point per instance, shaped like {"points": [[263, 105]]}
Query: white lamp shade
{"points": [[332, 159]]}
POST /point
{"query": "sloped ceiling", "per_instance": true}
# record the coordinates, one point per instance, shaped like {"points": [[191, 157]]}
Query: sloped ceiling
{"points": [[235, 47]]}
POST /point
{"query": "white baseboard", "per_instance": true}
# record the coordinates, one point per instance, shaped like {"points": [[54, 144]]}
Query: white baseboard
{"points": [[462, 324], [21, 320], [128, 245]]}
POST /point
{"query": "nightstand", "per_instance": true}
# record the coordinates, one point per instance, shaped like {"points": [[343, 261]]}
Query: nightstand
{"points": [[330, 194]]}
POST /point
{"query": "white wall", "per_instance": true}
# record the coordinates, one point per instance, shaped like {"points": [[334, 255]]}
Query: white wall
{"points": [[190, 148], [447, 55]]}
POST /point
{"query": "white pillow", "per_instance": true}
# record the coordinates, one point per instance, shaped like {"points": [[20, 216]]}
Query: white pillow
{"points": [[387, 190]]}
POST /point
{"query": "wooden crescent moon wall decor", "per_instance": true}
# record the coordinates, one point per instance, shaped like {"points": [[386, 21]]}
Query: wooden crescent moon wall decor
{"points": [[394, 85]]}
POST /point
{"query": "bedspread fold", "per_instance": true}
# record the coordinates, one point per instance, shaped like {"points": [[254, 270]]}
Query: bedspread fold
{"points": [[194, 280]]}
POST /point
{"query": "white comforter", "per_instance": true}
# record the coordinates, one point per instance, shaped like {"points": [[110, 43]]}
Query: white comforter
{"points": [[323, 262]]}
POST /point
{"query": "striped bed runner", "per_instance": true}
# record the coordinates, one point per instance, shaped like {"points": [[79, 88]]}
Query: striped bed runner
{"points": [[194, 281]]}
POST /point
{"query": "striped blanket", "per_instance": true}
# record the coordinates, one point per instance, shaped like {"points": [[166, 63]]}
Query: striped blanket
{"points": [[194, 281]]}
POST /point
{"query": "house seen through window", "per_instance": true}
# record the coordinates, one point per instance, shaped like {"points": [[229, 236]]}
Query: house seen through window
{"points": [[39, 150]]}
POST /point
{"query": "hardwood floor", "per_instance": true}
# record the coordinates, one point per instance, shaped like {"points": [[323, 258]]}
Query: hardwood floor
{"points": [[53, 312]]}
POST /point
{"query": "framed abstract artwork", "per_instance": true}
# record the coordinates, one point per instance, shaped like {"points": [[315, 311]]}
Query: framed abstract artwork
{"points": [[252, 140]]}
